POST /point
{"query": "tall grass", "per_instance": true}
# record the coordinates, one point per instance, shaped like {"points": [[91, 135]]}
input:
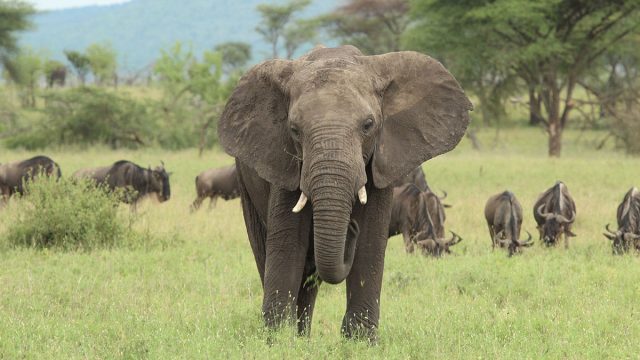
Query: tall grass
{"points": [[201, 298]]}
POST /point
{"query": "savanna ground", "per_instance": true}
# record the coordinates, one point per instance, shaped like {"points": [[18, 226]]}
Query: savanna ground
{"points": [[197, 293]]}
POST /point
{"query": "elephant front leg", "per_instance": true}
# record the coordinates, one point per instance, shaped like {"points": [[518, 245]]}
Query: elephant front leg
{"points": [[286, 252], [364, 283]]}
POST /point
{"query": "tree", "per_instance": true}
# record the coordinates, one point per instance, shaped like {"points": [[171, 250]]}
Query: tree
{"points": [[374, 26], [14, 17], [274, 20], [193, 89], [297, 34], [80, 63], [27, 69], [549, 45], [55, 72], [235, 55], [102, 62]]}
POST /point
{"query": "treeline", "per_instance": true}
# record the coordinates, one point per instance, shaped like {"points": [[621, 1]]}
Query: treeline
{"points": [[565, 63]]}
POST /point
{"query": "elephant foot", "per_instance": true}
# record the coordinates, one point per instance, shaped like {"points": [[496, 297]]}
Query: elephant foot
{"points": [[360, 326]]}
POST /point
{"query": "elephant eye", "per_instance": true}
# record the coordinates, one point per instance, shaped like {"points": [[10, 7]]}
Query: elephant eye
{"points": [[367, 125]]}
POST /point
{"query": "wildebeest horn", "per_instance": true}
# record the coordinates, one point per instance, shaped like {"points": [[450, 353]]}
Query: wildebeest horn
{"points": [[455, 238], [444, 196], [565, 220], [527, 242], [611, 231], [300, 204], [545, 215], [162, 163]]}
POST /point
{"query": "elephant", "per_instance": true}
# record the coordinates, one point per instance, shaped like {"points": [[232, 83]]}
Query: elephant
{"points": [[334, 128]]}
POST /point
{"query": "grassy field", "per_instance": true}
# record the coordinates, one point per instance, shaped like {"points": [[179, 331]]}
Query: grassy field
{"points": [[200, 295]]}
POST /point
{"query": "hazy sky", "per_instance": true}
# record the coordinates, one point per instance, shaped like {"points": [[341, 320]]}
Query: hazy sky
{"points": [[60, 4]]}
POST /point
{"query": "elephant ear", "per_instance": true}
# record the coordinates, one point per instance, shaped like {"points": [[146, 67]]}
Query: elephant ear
{"points": [[253, 126], [425, 113]]}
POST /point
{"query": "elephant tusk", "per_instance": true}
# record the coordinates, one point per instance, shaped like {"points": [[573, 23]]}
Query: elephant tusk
{"points": [[362, 195], [301, 203]]}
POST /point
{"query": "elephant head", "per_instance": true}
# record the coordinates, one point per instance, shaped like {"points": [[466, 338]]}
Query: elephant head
{"points": [[334, 125]]}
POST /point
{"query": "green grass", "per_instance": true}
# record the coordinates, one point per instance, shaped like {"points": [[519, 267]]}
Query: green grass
{"points": [[200, 296]]}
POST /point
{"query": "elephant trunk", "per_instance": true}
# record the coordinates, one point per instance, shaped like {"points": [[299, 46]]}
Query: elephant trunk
{"points": [[335, 234], [333, 175]]}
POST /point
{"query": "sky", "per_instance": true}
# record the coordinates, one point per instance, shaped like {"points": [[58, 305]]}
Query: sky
{"points": [[61, 4]]}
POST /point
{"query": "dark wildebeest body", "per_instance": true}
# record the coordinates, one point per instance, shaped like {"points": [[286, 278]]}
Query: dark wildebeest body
{"points": [[138, 182], [503, 213], [555, 212], [419, 216], [97, 174], [214, 183], [416, 177], [14, 175], [628, 216]]}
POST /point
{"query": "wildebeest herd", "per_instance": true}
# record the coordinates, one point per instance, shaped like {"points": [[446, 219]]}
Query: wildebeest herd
{"points": [[417, 213]]}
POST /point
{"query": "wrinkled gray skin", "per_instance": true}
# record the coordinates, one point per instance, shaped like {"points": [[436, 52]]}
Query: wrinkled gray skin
{"points": [[14, 175], [430, 238], [414, 211], [214, 183], [315, 126], [97, 174], [628, 215], [503, 213], [555, 212], [416, 177]]}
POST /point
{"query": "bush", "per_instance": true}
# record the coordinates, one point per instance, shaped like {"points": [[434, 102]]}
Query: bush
{"points": [[89, 116], [67, 215]]}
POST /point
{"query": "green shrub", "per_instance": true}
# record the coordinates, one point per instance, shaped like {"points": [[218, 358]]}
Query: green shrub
{"points": [[67, 215]]}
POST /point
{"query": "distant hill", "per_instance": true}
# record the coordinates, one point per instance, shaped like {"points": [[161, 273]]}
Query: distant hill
{"points": [[140, 28]]}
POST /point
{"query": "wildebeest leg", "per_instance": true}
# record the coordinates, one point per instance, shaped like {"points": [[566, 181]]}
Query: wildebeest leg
{"points": [[493, 237], [212, 202], [196, 203], [408, 244]]}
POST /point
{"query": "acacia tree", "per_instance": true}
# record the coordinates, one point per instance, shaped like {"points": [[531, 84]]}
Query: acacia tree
{"points": [[235, 55], [193, 89], [275, 19], [14, 17], [548, 44], [374, 26], [102, 62], [80, 63]]}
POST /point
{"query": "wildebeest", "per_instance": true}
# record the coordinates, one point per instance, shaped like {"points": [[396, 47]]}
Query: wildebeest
{"points": [[97, 174], [503, 213], [555, 212], [628, 216], [214, 183], [419, 216], [136, 181], [416, 177], [14, 175]]}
